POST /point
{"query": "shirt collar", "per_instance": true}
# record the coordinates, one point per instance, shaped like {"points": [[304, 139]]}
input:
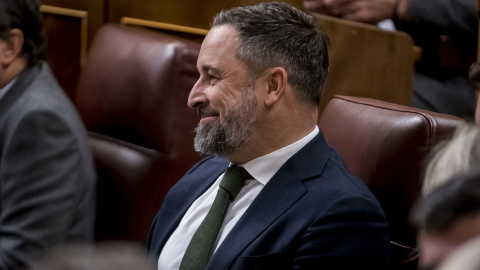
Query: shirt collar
{"points": [[263, 168]]}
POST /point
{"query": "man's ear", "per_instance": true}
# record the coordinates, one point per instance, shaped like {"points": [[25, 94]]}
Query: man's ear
{"points": [[277, 79], [12, 47]]}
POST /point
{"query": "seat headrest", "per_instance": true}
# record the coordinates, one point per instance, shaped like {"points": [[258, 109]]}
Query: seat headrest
{"points": [[135, 85]]}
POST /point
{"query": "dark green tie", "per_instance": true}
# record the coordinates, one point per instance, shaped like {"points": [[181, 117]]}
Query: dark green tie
{"points": [[203, 242]]}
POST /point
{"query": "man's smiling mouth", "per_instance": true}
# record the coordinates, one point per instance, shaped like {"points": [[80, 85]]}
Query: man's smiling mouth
{"points": [[207, 115]]}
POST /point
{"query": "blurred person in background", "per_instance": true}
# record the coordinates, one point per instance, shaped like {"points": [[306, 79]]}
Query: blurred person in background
{"points": [[447, 32], [466, 257], [47, 176], [447, 217], [455, 156], [102, 256]]}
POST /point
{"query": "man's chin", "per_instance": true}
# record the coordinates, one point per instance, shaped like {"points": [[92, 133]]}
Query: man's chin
{"points": [[207, 138]]}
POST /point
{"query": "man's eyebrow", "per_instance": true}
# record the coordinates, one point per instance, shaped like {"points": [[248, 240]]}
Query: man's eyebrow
{"points": [[207, 68]]}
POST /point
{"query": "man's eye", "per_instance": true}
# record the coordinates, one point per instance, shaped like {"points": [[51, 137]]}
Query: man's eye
{"points": [[211, 78]]}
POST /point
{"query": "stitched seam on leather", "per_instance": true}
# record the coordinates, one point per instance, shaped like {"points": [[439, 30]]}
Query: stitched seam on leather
{"points": [[432, 126]]}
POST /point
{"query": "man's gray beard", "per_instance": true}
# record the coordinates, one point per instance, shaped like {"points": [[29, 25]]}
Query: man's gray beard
{"points": [[223, 139]]}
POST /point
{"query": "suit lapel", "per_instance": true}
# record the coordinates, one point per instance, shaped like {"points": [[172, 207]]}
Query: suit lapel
{"points": [[184, 193], [282, 191]]}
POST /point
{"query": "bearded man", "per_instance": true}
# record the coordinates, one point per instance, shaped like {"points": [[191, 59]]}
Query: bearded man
{"points": [[296, 206]]}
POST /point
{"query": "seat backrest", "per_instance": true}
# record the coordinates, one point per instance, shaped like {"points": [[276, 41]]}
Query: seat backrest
{"points": [[366, 61], [132, 96], [387, 145], [66, 44]]}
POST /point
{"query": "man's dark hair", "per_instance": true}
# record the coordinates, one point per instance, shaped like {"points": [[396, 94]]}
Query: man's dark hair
{"points": [[274, 34], [26, 16], [449, 203]]}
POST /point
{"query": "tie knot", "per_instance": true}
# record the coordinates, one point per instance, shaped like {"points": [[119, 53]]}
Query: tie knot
{"points": [[234, 179]]}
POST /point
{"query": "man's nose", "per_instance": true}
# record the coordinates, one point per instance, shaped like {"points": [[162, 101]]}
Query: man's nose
{"points": [[197, 96]]}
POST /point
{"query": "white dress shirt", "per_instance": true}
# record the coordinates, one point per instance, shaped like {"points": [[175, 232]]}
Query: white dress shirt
{"points": [[262, 170]]}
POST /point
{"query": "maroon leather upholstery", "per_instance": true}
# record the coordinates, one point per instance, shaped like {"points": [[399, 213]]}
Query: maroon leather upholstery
{"points": [[132, 96], [387, 146]]}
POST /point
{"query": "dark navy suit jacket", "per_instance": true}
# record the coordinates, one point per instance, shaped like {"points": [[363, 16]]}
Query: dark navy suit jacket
{"points": [[312, 214]]}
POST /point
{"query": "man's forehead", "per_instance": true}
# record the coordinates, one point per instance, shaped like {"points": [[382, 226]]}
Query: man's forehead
{"points": [[224, 31], [219, 46], [220, 37]]}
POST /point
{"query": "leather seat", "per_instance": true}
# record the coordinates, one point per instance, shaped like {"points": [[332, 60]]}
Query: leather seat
{"points": [[132, 96], [387, 146]]}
